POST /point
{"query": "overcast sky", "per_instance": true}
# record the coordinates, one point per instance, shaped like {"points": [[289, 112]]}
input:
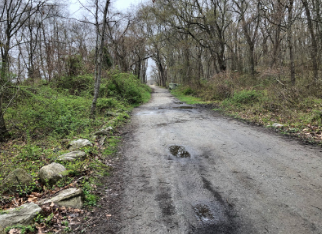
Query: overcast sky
{"points": [[124, 4], [121, 5]]}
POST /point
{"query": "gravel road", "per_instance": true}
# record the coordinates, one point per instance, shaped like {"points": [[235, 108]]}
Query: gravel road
{"points": [[189, 170]]}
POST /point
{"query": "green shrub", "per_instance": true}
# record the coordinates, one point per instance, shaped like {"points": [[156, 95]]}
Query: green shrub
{"points": [[317, 116], [246, 97], [73, 65], [23, 229], [243, 97], [89, 198], [187, 91], [125, 86], [47, 111], [222, 91], [104, 104], [75, 85]]}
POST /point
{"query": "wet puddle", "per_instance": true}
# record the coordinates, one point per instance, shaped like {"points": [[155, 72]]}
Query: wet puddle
{"points": [[147, 113], [179, 151], [203, 212], [184, 107]]}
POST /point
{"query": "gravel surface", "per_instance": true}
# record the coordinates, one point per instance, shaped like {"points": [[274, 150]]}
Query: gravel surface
{"points": [[190, 170]]}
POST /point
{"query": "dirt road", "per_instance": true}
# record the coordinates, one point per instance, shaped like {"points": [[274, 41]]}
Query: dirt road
{"points": [[189, 170]]}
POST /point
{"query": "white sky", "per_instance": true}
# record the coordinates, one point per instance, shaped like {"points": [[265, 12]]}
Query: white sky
{"points": [[121, 5], [124, 4]]}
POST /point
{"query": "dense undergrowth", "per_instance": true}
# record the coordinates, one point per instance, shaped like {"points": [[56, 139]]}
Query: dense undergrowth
{"points": [[265, 99], [43, 118]]}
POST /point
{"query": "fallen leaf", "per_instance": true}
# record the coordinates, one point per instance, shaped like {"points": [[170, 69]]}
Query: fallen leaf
{"points": [[36, 194], [31, 199], [15, 231]]}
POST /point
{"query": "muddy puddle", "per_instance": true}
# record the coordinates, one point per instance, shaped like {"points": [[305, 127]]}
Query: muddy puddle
{"points": [[203, 213], [179, 151], [184, 107]]}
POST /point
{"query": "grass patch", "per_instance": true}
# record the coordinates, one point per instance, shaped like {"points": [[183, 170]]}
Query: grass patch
{"points": [[44, 118], [184, 95], [242, 97], [22, 228]]}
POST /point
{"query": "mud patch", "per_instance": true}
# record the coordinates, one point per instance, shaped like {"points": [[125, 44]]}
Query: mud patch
{"points": [[179, 103], [207, 185], [203, 213], [184, 107], [179, 151], [162, 125], [216, 217], [166, 206], [165, 202], [213, 219]]}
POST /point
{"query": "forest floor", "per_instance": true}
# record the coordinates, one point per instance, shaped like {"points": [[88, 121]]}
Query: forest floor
{"points": [[42, 119], [186, 169]]}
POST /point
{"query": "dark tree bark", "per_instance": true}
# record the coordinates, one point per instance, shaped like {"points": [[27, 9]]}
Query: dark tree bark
{"points": [[314, 49], [99, 54], [246, 25], [289, 40], [3, 130]]}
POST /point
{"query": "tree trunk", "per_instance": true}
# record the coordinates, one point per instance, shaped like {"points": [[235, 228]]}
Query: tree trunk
{"points": [[139, 68], [314, 49], [3, 81], [5, 64], [99, 55], [289, 40], [252, 59], [3, 130]]}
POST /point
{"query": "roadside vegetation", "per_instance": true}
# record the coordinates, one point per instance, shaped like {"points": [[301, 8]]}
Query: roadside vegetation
{"points": [[43, 118], [256, 60], [264, 100], [63, 79]]}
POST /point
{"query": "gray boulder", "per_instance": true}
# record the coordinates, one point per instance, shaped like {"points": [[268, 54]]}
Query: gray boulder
{"points": [[105, 131], [110, 113], [21, 215], [74, 145], [173, 85], [102, 140], [71, 156], [16, 178], [277, 125], [51, 173], [71, 197]]}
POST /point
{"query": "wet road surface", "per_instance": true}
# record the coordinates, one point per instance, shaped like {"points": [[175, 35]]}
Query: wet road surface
{"points": [[189, 170]]}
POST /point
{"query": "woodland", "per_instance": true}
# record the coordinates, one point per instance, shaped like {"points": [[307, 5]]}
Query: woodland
{"points": [[64, 77], [216, 47], [257, 60]]}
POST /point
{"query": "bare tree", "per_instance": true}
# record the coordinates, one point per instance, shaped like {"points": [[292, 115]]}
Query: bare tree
{"points": [[100, 38], [314, 48], [14, 14], [250, 26]]}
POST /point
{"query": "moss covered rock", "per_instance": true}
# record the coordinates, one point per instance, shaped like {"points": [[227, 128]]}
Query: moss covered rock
{"points": [[51, 173], [17, 178]]}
